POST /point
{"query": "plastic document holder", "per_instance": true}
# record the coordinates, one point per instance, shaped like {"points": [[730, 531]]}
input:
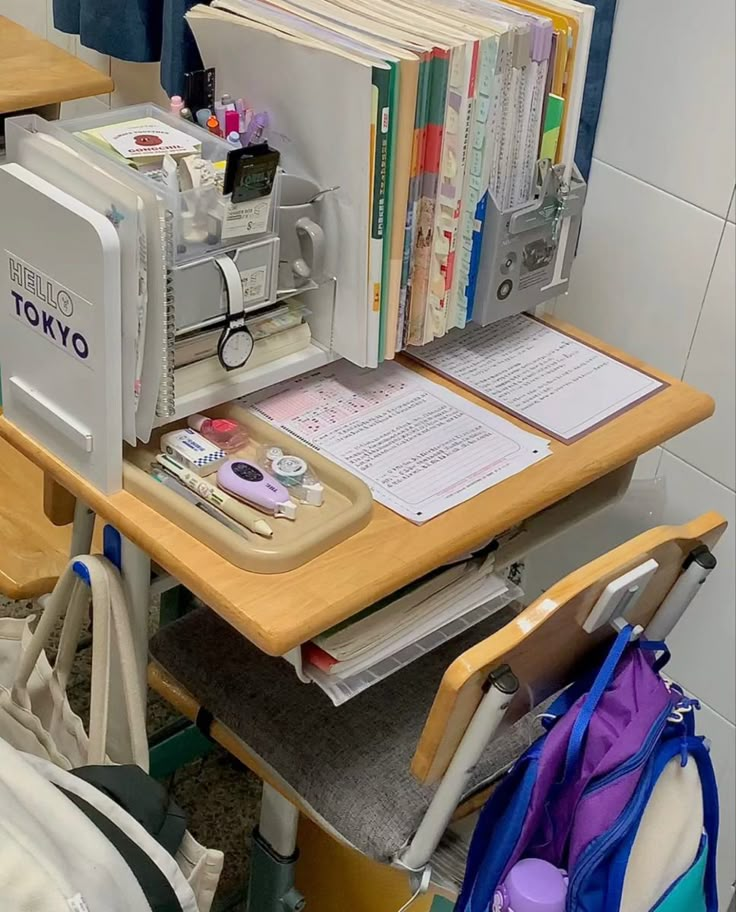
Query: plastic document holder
{"points": [[527, 252]]}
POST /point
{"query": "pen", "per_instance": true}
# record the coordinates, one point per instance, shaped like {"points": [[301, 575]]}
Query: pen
{"points": [[203, 115], [168, 481], [229, 505]]}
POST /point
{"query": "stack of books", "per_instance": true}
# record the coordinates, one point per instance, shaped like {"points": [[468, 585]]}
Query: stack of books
{"points": [[418, 110], [351, 657]]}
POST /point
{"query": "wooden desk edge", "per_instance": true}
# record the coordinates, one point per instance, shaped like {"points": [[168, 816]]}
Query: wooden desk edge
{"points": [[84, 82], [279, 638]]}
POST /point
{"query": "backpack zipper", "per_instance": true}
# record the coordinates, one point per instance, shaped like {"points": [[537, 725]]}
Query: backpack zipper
{"points": [[598, 847], [634, 760]]}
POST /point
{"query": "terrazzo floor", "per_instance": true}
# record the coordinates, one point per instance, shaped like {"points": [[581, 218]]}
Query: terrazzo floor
{"points": [[220, 796]]}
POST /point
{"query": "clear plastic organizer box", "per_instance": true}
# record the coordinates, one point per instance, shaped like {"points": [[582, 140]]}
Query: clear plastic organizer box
{"points": [[205, 221]]}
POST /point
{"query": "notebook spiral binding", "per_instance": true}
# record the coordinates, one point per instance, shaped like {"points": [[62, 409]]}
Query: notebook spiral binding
{"points": [[166, 402]]}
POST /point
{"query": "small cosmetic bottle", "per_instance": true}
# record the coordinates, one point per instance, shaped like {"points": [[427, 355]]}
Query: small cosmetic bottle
{"points": [[227, 435]]}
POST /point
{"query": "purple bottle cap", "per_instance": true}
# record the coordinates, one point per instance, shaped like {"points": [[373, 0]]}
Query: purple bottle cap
{"points": [[534, 885]]}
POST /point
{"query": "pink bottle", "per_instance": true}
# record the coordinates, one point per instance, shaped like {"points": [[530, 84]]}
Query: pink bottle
{"points": [[176, 104], [225, 434]]}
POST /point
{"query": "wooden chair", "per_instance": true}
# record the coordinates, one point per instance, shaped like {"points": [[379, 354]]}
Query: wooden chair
{"points": [[349, 768], [33, 550]]}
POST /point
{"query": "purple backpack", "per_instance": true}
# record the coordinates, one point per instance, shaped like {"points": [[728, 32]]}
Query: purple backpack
{"points": [[576, 797]]}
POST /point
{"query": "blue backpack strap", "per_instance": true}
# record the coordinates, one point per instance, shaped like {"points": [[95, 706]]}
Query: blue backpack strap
{"points": [[603, 679], [711, 816], [497, 833], [657, 646]]}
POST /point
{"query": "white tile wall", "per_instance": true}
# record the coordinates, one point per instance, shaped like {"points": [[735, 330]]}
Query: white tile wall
{"points": [[29, 13], [722, 736], [642, 267], [84, 106], [641, 507], [93, 58], [668, 112], [135, 83], [702, 643], [67, 42], [655, 275], [710, 367]]}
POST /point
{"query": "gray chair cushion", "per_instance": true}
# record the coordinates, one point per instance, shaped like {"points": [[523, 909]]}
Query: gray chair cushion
{"points": [[349, 763]]}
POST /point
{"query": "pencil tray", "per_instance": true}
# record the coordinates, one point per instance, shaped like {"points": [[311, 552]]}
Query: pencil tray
{"points": [[204, 221], [346, 509]]}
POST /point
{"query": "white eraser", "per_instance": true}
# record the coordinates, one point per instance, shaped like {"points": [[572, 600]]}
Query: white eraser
{"points": [[193, 451], [287, 509]]}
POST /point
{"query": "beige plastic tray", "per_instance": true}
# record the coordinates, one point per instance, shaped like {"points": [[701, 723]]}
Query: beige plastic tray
{"points": [[346, 509]]}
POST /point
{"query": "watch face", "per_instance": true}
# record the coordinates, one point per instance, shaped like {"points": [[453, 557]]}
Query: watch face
{"points": [[235, 348]]}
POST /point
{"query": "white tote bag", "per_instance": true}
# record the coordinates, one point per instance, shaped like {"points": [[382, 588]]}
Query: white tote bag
{"points": [[35, 715]]}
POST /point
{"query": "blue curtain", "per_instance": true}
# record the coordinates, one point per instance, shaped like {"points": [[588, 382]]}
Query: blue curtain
{"points": [[595, 81], [143, 31]]}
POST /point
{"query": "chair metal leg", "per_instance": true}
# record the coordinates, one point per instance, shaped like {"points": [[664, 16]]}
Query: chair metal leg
{"points": [[502, 685], [82, 529], [273, 857], [695, 571]]}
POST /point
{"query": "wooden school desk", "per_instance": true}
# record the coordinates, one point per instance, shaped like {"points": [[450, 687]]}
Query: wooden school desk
{"points": [[280, 611], [37, 75]]}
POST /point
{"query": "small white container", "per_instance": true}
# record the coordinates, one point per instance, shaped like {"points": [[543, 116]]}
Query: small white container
{"points": [[193, 451]]}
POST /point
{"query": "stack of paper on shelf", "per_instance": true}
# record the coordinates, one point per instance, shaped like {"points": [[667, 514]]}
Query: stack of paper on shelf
{"points": [[395, 632], [418, 111]]}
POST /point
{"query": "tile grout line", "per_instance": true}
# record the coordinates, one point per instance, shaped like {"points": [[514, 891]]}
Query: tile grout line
{"points": [[662, 189], [705, 295], [696, 469]]}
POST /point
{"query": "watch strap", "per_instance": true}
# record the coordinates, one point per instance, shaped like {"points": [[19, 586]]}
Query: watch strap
{"points": [[233, 286]]}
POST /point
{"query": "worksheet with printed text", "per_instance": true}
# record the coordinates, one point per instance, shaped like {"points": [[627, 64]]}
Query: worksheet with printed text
{"points": [[421, 448], [540, 374]]}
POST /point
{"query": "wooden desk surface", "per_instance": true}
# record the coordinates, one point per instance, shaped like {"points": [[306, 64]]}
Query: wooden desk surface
{"points": [[35, 72], [277, 612]]}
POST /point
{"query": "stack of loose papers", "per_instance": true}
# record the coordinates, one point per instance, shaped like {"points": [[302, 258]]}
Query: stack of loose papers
{"points": [[540, 374], [419, 447], [350, 658]]}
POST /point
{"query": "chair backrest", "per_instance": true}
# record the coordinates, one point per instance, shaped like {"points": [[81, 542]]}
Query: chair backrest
{"points": [[545, 644]]}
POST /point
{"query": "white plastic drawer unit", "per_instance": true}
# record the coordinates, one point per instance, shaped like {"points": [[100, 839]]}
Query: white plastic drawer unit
{"points": [[99, 288]]}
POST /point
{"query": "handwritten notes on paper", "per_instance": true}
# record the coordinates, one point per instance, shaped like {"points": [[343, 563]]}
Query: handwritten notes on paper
{"points": [[539, 374], [419, 447]]}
